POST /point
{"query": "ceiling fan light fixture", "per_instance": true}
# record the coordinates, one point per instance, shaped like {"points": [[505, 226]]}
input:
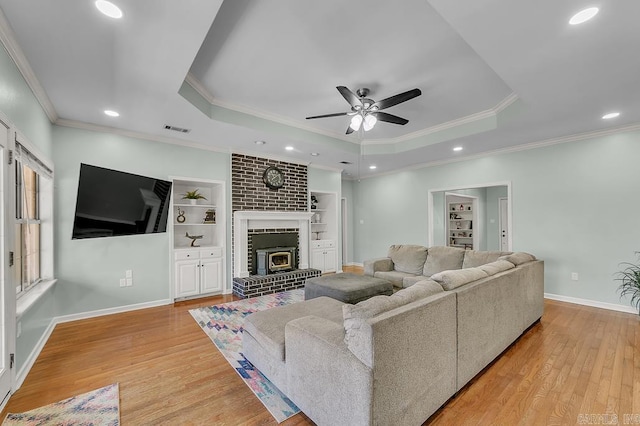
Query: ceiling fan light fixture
{"points": [[356, 121], [369, 121]]}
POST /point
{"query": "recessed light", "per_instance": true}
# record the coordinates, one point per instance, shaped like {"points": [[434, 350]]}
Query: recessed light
{"points": [[314, 154], [109, 9], [111, 113], [259, 142], [288, 148], [457, 148], [583, 16], [373, 167], [610, 115]]}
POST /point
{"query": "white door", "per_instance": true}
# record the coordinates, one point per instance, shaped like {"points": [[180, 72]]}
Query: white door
{"points": [[5, 285], [504, 224], [211, 275], [187, 278]]}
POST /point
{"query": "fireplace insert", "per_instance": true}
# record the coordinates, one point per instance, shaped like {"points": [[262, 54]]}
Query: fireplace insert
{"points": [[275, 259]]}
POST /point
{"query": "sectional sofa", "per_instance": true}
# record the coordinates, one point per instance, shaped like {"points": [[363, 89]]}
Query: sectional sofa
{"points": [[394, 360]]}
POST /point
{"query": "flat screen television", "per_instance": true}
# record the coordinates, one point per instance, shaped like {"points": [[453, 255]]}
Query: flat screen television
{"points": [[112, 203]]}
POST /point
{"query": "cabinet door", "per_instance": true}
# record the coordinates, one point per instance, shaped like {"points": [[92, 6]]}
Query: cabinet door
{"points": [[187, 278], [211, 275], [329, 260], [317, 259]]}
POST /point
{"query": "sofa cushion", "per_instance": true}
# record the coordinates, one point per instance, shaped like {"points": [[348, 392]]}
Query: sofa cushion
{"points": [[497, 266], [519, 258], [409, 281], [395, 277], [408, 258], [456, 278], [442, 258], [473, 258], [419, 290], [267, 327]]}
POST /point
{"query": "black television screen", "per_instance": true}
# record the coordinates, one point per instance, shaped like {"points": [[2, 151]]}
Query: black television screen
{"points": [[112, 203]]}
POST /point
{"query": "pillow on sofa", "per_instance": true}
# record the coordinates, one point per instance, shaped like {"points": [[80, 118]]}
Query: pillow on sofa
{"points": [[497, 266], [454, 279], [441, 258], [408, 258], [473, 258], [519, 258]]}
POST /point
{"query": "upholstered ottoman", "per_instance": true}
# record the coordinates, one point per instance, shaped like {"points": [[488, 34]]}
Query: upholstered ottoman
{"points": [[346, 287]]}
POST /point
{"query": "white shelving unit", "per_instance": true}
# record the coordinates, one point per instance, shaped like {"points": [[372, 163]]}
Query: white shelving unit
{"points": [[198, 262], [460, 224], [324, 231]]}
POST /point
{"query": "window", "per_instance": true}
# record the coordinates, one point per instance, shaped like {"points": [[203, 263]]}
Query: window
{"points": [[33, 208]]}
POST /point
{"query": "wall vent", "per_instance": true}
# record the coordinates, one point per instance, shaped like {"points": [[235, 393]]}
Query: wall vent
{"points": [[177, 129], [346, 162]]}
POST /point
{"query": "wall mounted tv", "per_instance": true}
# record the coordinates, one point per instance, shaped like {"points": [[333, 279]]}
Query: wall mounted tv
{"points": [[112, 203]]}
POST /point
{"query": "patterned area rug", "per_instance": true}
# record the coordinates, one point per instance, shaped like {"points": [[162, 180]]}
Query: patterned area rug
{"points": [[100, 407], [223, 324]]}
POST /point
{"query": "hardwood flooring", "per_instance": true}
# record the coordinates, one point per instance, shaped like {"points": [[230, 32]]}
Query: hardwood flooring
{"points": [[576, 361]]}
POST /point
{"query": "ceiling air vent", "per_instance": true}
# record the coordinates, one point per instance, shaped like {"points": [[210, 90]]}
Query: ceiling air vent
{"points": [[346, 162], [177, 129]]}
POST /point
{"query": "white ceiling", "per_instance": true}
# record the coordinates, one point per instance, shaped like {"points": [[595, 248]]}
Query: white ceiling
{"points": [[494, 74]]}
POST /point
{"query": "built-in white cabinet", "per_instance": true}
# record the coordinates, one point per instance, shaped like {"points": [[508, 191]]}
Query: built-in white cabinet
{"points": [[324, 255], [324, 231], [198, 272], [198, 238]]}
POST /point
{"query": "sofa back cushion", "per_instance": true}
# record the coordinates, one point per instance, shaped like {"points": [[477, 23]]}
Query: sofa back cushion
{"points": [[497, 266], [356, 317], [473, 258], [519, 258], [456, 278], [408, 258], [441, 258]]}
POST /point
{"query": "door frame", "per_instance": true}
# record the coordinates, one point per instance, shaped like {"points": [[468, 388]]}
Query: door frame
{"points": [[430, 215]]}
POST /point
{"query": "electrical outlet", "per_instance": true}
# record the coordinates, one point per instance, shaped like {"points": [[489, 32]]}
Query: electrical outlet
{"points": [[129, 282], [574, 276], [128, 273], [122, 282]]}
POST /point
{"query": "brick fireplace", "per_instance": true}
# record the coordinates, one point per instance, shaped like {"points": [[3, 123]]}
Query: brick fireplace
{"points": [[258, 209]]}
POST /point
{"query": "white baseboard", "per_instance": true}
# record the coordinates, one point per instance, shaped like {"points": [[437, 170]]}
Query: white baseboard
{"points": [[33, 356], [355, 264], [109, 311], [593, 303]]}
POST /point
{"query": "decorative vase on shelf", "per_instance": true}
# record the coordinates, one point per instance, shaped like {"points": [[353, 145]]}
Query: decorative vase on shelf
{"points": [[193, 202]]}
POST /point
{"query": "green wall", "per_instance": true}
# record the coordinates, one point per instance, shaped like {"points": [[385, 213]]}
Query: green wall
{"points": [[569, 203], [89, 270]]}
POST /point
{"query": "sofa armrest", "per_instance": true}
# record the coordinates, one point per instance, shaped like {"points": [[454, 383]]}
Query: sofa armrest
{"points": [[372, 266], [324, 379]]}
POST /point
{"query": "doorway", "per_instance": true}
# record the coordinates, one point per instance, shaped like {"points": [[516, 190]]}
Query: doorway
{"points": [[6, 290]]}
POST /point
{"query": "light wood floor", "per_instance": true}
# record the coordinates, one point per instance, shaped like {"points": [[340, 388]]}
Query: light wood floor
{"points": [[577, 360]]}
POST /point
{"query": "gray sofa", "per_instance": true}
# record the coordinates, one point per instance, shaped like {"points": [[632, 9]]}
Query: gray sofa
{"points": [[396, 359]]}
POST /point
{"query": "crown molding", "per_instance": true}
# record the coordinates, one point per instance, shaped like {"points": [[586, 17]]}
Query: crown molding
{"points": [[137, 135], [197, 85], [328, 168], [267, 156], [522, 147], [9, 41], [492, 112]]}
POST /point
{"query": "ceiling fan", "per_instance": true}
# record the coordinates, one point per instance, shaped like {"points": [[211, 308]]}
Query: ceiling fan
{"points": [[366, 112]]}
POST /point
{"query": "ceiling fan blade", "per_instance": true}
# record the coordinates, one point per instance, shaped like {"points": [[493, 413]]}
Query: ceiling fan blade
{"points": [[399, 98], [390, 118], [349, 130], [349, 96], [337, 114]]}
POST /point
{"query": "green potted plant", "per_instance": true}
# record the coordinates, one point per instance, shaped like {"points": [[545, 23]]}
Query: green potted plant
{"points": [[630, 282], [193, 196]]}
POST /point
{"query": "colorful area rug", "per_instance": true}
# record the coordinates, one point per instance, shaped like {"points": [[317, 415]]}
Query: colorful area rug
{"points": [[100, 407], [223, 324]]}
